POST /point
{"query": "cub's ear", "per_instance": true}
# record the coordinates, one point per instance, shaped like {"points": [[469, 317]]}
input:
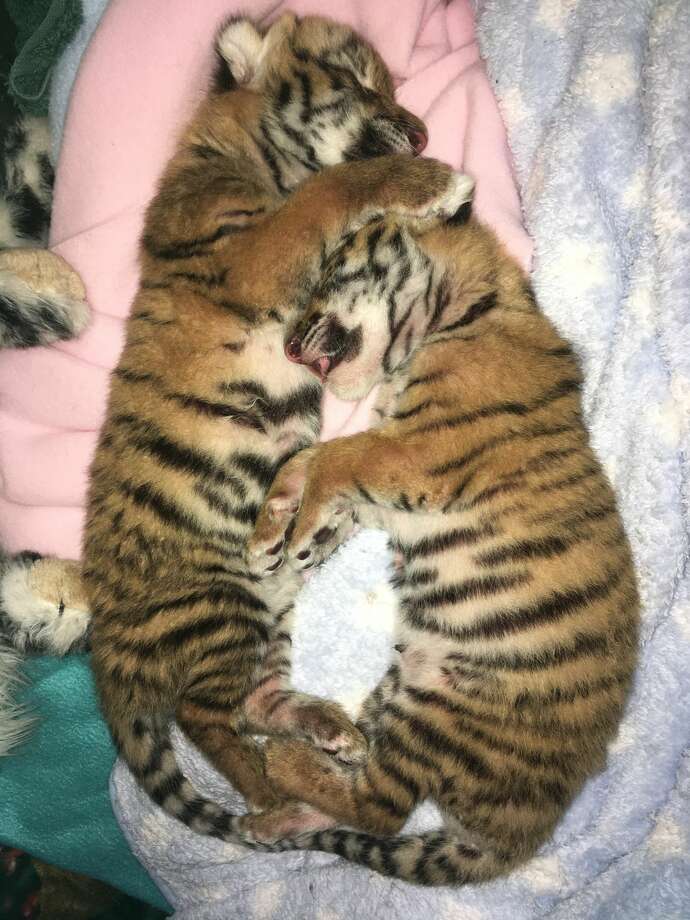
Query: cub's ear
{"points": [[242, 49]]}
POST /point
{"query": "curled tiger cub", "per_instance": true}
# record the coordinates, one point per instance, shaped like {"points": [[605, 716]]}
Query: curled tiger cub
{"points": [[203, 410], [518, 607]]}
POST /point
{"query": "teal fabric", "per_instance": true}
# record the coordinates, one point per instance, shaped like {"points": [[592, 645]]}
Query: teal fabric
{"points": [[44, 29], [54, 800]]}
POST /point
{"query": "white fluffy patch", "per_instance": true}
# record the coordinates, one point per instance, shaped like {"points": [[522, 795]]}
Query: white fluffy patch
{"points": [[241, 46], [267, 900], [449, 910], [40, 620], [669, 420], [607, 80], [553, 14], [579, 264], [15, 722], [625, 739], [668, 839], [636, 192], [543, 874], [513, 106]]}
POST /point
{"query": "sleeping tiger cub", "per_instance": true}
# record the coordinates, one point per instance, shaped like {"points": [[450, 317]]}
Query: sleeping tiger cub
{"points": [[518, 603], [202, 409]]}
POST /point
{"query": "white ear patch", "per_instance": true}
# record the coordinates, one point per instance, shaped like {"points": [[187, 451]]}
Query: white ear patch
{"points": [[240, 45]]}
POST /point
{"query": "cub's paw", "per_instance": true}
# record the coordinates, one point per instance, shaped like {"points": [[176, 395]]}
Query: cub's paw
{"points": [[426, 189], [288, 820], [316, 534], [455, 192], [265, 548], [265, 552], [328, 727], [43, 606]]}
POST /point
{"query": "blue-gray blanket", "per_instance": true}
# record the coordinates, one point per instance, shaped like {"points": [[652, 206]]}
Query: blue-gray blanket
{"points": [[596, 98]]}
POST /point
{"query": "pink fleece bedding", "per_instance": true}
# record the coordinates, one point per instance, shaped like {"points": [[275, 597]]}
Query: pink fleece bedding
{"points": [[139, 80]]}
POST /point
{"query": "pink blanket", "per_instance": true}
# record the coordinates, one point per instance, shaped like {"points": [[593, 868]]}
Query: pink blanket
{"points": [[139, 80]]}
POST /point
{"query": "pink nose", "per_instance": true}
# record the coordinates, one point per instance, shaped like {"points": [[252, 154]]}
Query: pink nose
{"points": [[293, 349], [418, 139]]}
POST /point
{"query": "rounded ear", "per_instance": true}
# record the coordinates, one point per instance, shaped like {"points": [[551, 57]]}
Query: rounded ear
{"points": [[243, 48], [239, 45]]}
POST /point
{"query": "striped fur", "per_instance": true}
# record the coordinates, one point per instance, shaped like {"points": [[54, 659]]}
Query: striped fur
{"points": [[518, 603], [203, 409], [40, 301]]}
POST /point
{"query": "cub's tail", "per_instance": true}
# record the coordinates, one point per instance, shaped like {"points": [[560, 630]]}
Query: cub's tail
{"points": [[437, 858], [145, 746]]}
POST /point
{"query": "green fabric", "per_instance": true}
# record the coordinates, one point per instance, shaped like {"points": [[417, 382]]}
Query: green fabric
{"points": [[54, 800], [44, 29]]}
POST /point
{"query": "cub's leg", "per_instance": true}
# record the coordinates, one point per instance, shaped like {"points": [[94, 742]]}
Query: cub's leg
{"points": [[237, 756], [336, 480], [376, 796]]}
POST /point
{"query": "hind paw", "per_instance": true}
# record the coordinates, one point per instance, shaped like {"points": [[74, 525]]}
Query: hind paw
{"points": [[329, 728], [288, 820]]}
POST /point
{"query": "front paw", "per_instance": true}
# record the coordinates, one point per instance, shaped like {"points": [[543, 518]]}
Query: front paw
{"points": [[429, 190], [266, 547], [318, 533]]}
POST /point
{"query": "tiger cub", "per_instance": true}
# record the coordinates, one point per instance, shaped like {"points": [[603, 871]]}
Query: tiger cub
{"points": [[518, 603], [201, 412]]}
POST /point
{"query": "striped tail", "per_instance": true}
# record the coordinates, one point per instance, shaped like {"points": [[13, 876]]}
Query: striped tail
{"points": [[145, 746], [437, 858]]}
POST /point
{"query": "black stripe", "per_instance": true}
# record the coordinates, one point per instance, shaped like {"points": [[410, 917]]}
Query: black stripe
{"points": [[147, 437], [415, 410], [566, 481], [245, 514], [212, 279], [469, 589], [261, 469], [474, 312], [392, 770], [549, 610], [563, 388], [580, 517], [304, 401], [219, 410], [545, 547], [429, 546], [364, 494], [414, 579], [579, 691], [188, 249], [538, 432], [500, 488], [425, 379], [242, 311], [146, 496], [435, 738]]}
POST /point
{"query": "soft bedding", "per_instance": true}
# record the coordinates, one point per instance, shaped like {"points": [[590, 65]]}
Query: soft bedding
{"points": [[141, 75]]}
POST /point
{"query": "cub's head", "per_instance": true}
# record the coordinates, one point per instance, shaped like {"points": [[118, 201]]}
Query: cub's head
{"points": [[327, 95], [378, 297], [369, 311]]}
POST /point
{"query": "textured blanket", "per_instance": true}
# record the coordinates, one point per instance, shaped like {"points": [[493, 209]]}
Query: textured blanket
{"points": [[595, 96]]}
